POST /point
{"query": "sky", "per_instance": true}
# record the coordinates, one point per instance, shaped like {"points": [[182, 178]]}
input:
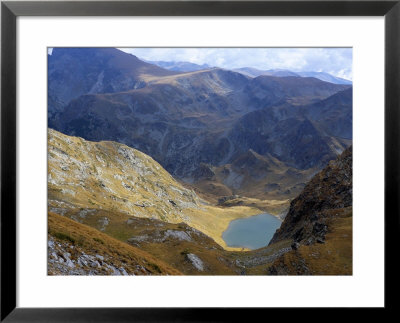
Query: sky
{"points": [[335, 61]]}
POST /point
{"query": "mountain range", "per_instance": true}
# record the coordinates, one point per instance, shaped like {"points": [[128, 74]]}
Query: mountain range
{"points": [[250, 71], [205, 127], [180, 66], [253, 72]]}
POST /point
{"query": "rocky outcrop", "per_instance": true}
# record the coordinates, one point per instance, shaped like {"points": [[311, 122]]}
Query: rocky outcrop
{"points": [[67, 259], [109, 175], [306, 221]]}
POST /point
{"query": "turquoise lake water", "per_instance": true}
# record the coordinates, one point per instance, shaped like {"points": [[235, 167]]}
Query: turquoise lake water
{"points": [[253, 232]]}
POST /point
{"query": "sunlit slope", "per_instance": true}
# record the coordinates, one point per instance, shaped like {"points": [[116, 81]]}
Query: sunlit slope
{"points": [[111, 176]]}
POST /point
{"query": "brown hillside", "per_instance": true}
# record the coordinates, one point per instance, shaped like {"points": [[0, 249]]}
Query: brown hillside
{"points": [[77, 249]]}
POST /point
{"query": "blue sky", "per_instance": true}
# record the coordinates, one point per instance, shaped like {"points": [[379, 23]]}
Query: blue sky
{"points": [[335, 61]]}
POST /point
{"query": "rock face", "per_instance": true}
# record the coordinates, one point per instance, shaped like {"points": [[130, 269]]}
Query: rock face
{"points": [[196, 261], [306, 221], [206, 117]]}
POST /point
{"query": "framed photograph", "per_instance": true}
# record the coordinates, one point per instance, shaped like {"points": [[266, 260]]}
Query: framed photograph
{"points": [[192, 160]]}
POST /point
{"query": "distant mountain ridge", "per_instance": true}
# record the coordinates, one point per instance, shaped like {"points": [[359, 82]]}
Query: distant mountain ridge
{"points": [[180, 66], [253, 72]]}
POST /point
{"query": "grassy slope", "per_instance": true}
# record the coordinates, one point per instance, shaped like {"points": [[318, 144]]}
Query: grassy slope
{"points": [[94, 242], [150, 235], [334, 257]]}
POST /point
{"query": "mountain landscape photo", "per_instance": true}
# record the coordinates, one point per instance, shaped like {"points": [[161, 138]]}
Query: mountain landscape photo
{"points": [[199, 161]]}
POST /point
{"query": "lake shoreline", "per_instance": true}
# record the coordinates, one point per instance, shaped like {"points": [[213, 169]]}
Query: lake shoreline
{"points": [[252, 232]]}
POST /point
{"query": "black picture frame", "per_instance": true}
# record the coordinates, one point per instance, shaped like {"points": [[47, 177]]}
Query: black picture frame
{"points": [[10, 10]]}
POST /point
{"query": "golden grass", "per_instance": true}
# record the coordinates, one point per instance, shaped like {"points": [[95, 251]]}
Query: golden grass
{"points": [[213, 221], [334, 257], [62, 228], [274, 207]]}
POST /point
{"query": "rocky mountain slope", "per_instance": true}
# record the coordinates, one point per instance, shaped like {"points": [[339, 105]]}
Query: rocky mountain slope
{"points": [[328, 190], [113, 176], [331, 256], [319, 224]]}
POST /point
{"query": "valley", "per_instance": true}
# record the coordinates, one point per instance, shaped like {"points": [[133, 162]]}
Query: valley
{"points": [[188, 235], [150, 166]]}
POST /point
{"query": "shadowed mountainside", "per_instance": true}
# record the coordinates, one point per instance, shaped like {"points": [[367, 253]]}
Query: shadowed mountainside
{"points": [[204, 117], [73, 72]]}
